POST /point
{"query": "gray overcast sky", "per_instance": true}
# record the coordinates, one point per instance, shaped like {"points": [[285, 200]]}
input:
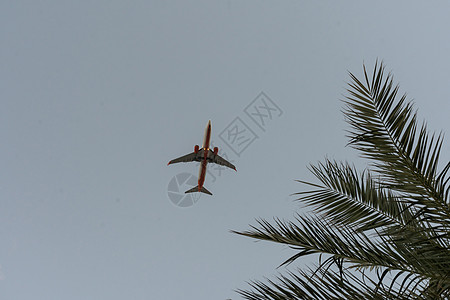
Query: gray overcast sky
{"points": [[97, 96]]}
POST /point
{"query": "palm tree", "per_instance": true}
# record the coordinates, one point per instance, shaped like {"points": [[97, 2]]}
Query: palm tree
{"points": [[383, 233]]}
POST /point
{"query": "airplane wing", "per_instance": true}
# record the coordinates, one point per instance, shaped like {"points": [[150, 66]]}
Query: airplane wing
{"points": [[219, 160], [188, 157]]}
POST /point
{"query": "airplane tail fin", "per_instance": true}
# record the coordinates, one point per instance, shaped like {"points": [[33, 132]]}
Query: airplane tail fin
{"points": [[195, 189]]}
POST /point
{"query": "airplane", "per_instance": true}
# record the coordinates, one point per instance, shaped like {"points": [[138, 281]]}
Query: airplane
{"points": [[204, 155]]}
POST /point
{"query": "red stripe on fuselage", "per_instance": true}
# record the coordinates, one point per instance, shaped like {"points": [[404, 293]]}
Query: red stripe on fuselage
{"points": [[207, 137], [201, 178], [206, 140]]}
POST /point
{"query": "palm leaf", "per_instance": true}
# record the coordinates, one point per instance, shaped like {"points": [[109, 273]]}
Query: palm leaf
{"points": [[387, 132], [354, 199], [317, 285], [317, 236], [392, 222]]}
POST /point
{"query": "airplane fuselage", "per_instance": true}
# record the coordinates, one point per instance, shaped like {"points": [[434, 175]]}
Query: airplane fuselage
{"points": [[204, 162]]}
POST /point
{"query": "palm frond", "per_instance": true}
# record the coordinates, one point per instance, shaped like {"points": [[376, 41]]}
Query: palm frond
{"points": [[386, 131], [361, 203], [392, 221], [354, 199], [317, 236], [329, 284]]}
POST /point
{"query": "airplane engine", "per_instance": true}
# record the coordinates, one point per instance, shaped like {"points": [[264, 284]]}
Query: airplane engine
{"points": [[216, 150], [196, 148]]}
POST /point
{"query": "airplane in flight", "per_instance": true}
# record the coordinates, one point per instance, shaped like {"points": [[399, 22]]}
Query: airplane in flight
{"points": [[203, 155]]}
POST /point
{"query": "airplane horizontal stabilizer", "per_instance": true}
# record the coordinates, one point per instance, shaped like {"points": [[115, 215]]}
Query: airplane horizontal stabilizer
{"points": [[195, 189]]}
